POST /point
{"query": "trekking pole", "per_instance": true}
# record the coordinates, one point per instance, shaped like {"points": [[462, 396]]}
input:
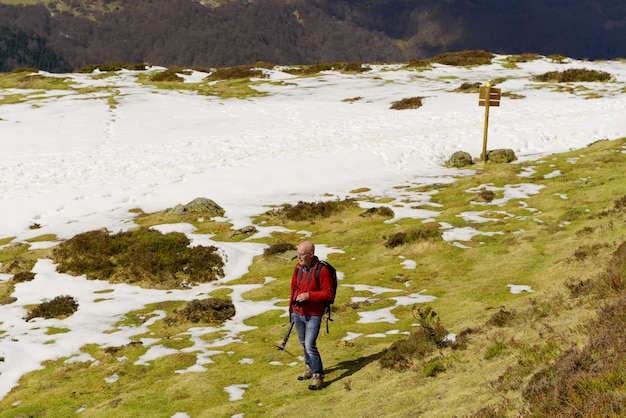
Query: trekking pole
{"points": [[282, 346]]}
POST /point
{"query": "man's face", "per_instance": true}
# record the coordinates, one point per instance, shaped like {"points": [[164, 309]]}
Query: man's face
{"points": [[305, 256]]}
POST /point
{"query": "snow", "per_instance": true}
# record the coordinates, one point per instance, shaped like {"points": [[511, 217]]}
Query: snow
{"points": [[71, 163]]}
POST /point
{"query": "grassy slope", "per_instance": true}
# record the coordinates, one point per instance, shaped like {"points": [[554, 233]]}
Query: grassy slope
{"points": [[562, 242]]}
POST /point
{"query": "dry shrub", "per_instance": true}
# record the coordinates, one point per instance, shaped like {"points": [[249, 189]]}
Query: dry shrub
{"points": [[464, 58], [502, 318], [171, 75], [573, 75], [143, 256], [424, 340], [352, 67], [235, 73], [306, 211], [524, 57], [59, 307], [115, 66], [407, 237], [614, 277], [381, 211], [279, 248], [589, 381], [212, 310], [471, 87], [409, 103], [23, 276]]}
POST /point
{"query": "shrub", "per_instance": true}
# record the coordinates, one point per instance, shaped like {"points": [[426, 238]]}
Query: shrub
{"points": [[59, 307], [464, 58], [525, 57], [471, 87], [304, 211], [235, 73], [424, 340], [23, 276], [210, 310], [382, 211], [279, 248], [502, 318], [115, 66], [352, 67], [409, 103], [588, 381], [171, 75], [143, 256], [573, 75], [614, 276], [401, 238]]}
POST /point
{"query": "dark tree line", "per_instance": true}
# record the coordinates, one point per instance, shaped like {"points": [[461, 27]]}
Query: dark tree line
{"points": [[186, 33], [19, 50]]}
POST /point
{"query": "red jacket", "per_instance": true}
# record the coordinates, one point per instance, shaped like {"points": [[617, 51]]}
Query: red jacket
{"points": [[303, 280]]}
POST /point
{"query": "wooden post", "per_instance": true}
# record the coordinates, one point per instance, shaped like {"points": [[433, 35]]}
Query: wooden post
{"points": [[487, 97], [483, 156]]}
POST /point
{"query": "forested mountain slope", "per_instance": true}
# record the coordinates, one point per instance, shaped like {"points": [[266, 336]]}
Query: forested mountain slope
{"points": [[59, 34]]}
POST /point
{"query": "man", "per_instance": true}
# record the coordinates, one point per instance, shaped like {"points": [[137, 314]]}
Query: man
{"points": [[306, 306]]}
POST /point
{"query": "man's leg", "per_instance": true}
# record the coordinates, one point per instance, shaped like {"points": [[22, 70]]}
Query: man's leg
{"points": [[300, 325], [313, 324]]}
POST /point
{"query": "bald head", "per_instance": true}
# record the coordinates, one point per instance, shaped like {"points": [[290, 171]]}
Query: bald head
{"points": [[306, 250]]}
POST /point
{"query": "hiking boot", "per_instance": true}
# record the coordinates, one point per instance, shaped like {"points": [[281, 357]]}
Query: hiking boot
{"points": [[317, 383], [308, 373]]}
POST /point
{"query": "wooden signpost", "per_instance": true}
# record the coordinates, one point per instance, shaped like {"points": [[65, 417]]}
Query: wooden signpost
{"points": [[487, 97]]}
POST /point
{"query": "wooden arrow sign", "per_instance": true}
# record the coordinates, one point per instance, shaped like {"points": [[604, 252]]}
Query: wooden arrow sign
{"points": [[494, 96]]}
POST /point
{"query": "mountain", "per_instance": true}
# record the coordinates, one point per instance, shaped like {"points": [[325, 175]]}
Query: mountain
{"points": [[196, 33]]}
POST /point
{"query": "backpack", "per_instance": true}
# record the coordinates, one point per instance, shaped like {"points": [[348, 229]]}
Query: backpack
{"points": [[333, 277]]}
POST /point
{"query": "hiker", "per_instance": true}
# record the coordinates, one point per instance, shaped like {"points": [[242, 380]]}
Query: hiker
{"points": [[307, 306]]}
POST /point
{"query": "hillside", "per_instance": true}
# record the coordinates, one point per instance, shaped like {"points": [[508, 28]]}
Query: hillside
{"points": [[487, 290], [538, 351], [226, 33]]}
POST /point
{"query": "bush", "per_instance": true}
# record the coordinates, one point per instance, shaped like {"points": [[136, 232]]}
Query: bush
{"points": [[280, 248], [424, 340], [464, 58], [502, 318], [588, 381], [59, 307], [525, 57], [352, 67], [409, 103], [573, 75], [471, 87], [305, 211], [171, 75], [401, 238], [115, 66], [23, 276], [210, 310], [143, 256], [235, 73], [382, 211]]}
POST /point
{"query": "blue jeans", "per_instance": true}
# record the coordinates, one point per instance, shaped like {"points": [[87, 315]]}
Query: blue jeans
{"points": [[308, 328]]}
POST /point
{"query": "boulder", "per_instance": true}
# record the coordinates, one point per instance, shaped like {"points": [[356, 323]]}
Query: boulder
{"points": [[198, 207], [501, 156], [459, 159]]}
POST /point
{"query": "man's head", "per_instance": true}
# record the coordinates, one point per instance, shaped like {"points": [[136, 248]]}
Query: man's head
{"points": [[306, 250]]}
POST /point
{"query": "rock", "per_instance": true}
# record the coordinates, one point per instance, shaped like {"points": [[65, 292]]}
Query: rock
{"points": [[501, 156], [459, 159], [246, 230], [199, 206]]}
